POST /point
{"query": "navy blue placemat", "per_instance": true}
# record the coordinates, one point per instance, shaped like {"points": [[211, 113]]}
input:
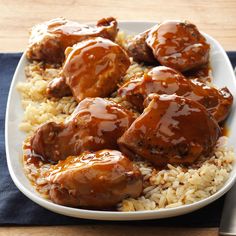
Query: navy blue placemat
{"points": [[16, 209]]}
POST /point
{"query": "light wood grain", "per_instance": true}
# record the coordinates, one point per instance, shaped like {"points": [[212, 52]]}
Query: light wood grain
{"points": [[216, 18], [111, 230]]}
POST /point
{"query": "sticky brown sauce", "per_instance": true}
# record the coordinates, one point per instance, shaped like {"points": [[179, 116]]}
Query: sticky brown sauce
{"points": [[225, 131], [203, 73], [29, 157]]}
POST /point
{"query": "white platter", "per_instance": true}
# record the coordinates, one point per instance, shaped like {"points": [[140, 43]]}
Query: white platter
{"points": [[223, 76]]}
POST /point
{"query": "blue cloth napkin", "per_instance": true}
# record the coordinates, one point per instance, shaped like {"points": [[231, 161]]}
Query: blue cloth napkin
{"points": [[16, 209]]}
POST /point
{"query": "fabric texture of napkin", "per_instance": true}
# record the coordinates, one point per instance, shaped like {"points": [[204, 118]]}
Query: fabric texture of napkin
{"points": [[16, 209]]}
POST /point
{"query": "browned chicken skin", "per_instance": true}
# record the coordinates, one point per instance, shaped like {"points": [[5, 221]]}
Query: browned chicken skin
{"points": [[97, 180], [171, 129], [164, 80], [139, 50], [92, 68], [49, 40], [58, 88], [95, 124], [178, 45]]}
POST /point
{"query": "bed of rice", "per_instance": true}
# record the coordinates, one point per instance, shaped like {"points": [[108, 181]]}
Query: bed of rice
{"points": [[166, 188]]}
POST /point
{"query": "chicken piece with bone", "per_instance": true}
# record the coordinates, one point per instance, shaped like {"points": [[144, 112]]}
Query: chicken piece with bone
{"points": [[171, 129], [179, 45], [96, 124], [97, 180], [176, 44], [92, 68], [49, 40], [164, 80]]}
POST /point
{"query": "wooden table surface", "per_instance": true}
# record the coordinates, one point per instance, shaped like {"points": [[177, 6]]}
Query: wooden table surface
{"points": [[216, 18]]}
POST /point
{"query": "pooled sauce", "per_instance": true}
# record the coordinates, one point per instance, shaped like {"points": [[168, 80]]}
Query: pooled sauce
{"points": [[30, 157], [202, 74], [225, 130]]}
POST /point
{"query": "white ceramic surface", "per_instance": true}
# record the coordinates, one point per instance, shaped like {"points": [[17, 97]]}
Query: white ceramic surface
{"points": [[223, 76]]}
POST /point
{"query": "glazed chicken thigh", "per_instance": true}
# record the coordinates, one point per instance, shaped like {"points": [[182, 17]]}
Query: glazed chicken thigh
{"points": [[49, 40], [179, 45], [95, 124], [171, 129], [92, 68], [164, 80], [97, 180]]}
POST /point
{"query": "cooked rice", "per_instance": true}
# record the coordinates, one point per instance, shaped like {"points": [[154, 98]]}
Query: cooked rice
{"points": [[176, 185], [38, 109], [166, 188]]}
